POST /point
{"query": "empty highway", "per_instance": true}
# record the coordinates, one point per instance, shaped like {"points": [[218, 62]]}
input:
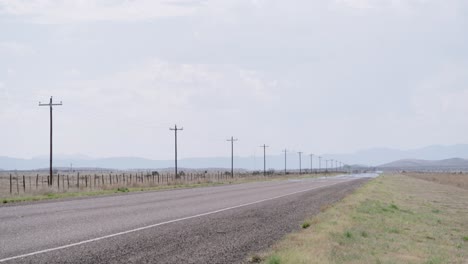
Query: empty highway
{"points": [[223, 224]]}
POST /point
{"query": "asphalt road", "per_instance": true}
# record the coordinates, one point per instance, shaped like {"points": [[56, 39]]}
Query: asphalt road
{"points": [[222, 224]]}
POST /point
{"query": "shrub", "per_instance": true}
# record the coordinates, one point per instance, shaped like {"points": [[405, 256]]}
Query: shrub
{"points": [[305, 225], [122, 189], [274, 260], [348, 234], [255, 259]]}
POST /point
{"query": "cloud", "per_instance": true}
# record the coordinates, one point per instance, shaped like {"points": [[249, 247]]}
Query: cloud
{"points": [[189, 90], [4, 98], [442, 96], [15, 48], [56, 11], [140, 103]]}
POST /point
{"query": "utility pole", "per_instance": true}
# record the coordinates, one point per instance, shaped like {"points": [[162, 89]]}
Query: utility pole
{"points": [[300, 162], [285, 151], [264, 158], [50, 104], [232, 155], [320, 163], [326, 166], [311, 162], [175, 129]]}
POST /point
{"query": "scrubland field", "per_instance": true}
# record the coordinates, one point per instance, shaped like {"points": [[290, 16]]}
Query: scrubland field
{"points": [[454, 179], [411, 218]]}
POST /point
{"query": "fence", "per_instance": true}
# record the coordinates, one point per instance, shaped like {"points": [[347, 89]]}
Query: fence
{"points": [[14, 184], [21, 184]]}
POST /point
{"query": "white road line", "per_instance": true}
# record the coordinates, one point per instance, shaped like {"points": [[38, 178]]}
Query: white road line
{"points": [[162, 223]]}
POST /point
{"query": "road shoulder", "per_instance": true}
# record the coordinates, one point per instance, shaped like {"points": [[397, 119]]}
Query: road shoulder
{"points": [[392, 219]]}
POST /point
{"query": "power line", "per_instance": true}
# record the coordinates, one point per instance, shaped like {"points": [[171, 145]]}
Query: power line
{"points": [[175, 129], [264, 158], [232, 155], [51, 104]]}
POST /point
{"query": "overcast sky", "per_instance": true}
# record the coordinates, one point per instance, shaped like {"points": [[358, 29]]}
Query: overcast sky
{"points": [[331, 76]]}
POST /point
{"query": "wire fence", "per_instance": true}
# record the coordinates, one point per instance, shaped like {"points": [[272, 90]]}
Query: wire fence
{"points": [[30, 183]]}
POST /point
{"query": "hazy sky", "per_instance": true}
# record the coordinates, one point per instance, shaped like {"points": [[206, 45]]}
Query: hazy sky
{"points": [[315, 76]]}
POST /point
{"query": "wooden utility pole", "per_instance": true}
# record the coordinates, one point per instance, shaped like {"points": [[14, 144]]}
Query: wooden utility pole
{"points": [[285, 160], [50, 104], [320, 163], [232, 155], [311, 162], [264, 158], [300, 162], [175, 129]]}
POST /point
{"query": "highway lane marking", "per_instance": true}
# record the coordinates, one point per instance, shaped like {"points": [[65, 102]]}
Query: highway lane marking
{"points": [[164, 223]]}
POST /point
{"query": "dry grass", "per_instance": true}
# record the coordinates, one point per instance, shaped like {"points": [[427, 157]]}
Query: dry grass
{"points": [[454, 179], [392, 219], [44, 193]]}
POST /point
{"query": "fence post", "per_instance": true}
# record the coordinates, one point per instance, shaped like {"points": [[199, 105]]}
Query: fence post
{"points": [[78, 180], [58, 182], [68, 182], [17, 185], [37, 180], [11, 185]]}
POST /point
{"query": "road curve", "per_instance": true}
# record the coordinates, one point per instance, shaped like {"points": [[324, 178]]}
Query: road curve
{"points": [[222, 224]]}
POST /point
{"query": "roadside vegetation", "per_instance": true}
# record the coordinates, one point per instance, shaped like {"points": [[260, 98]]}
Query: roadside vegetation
{"points": [[47, 194], [392, 219], [454, 179]]}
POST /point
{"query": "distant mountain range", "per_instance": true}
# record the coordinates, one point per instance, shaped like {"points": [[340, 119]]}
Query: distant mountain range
{"points": [[123, 163], [378, 156], [414, 164], [370, 157]]}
